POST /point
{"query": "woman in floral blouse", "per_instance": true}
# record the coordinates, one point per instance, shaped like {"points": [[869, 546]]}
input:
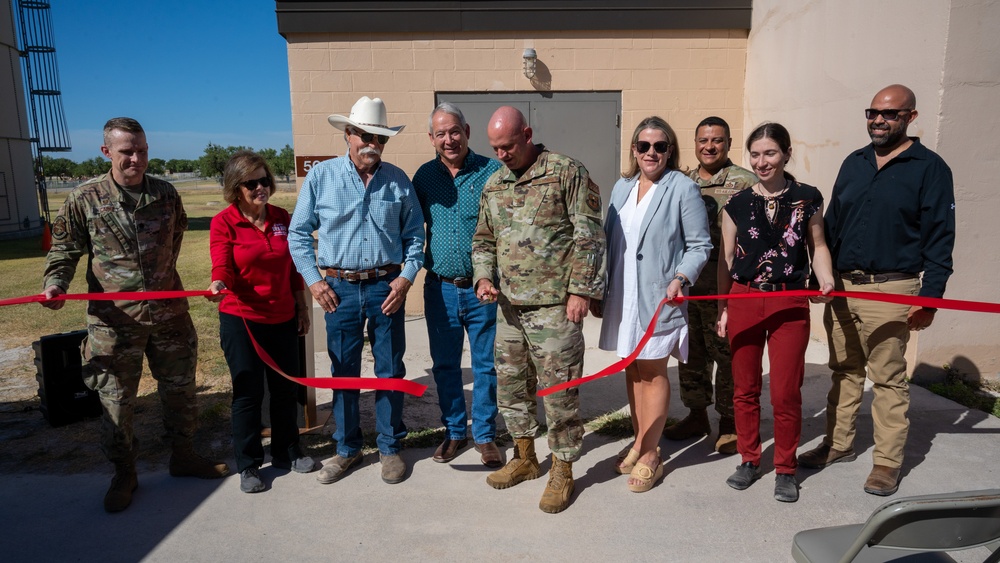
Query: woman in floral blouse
{"points": [[769, 233]]}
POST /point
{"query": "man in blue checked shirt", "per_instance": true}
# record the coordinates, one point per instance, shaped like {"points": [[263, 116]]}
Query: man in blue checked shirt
{"points": [[371, 239], [449, 188]]}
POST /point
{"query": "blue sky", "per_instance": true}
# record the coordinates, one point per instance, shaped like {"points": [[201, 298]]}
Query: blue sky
{"points": [[191, 71]]}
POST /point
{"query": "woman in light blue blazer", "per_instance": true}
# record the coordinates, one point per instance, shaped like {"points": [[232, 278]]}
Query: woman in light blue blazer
{"points": [[658, 242]]}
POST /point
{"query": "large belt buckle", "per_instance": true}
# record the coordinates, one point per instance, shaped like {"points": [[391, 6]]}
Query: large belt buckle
{"points": [[859, 277], [767, 286]]}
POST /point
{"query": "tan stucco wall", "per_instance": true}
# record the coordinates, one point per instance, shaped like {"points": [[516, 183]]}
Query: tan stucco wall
{"points": [[682, 76], [814, 67], [967, 124]]}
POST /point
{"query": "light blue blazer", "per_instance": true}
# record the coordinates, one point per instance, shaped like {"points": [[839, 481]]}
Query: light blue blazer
{"points": [[673, 240]]}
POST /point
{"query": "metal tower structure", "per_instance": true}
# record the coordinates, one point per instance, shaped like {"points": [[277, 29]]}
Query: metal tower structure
{"points": [[41, 80]]}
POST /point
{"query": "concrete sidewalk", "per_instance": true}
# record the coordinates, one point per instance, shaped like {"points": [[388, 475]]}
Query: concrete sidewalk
{"points": [[446, 512]]}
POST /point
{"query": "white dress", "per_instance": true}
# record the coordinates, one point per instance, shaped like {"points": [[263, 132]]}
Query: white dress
{"points": [[622, 305]]}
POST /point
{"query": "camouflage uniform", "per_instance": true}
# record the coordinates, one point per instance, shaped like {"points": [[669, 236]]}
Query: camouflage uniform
{"points": [[130, 246], [705, 347], [540, 237]]}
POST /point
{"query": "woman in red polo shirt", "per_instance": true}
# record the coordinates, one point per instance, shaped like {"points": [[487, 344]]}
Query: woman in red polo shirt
{"points": [[250, 258]]}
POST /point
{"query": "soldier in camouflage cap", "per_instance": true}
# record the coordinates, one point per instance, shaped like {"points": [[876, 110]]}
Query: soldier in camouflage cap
{"points": [[130, 226], [718, 179], [539, 236]]}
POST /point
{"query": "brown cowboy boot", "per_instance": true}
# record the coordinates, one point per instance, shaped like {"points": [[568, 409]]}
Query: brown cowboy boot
{"points": [[559, 488], [522, 466], [124, 482], [726, 444], [694, 424]]}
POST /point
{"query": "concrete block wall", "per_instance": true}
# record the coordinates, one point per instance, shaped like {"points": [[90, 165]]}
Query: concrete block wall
{"points": [[682, 75]]}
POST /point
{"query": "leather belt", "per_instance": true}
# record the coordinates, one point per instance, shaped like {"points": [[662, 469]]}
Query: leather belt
{"points": [[363, 275], [460, 283], [861, 277], [769, 287]]}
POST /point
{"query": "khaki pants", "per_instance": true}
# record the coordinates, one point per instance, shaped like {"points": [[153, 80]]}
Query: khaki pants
{"points": [[863, 333]]}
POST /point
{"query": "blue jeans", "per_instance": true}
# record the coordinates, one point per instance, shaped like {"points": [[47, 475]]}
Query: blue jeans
{"points": [[361, 304], [449, 311]]}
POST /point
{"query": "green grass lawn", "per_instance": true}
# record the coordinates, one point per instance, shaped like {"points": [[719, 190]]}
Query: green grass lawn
{"points": [[24, 262]]}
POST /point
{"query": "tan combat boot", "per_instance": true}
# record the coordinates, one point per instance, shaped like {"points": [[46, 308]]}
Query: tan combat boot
{"points": [[694, 424], [184, 462], [522, 466], [124, 482], [559, 488], [726, 444]]}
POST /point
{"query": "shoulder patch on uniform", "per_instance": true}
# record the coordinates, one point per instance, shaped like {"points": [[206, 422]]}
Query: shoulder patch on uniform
{"points": [[59, 228], [593, 201]]}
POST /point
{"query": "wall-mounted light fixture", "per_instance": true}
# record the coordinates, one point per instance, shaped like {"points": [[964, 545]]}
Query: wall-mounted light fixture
{"points": [[530, 58]]}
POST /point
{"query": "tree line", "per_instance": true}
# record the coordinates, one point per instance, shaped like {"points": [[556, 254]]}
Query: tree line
{"points": [[209, 165]]}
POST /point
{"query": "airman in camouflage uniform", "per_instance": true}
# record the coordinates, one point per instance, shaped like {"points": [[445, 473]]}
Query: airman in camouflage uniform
{"points": [[718, 179], [130, 228], [540, 237]]}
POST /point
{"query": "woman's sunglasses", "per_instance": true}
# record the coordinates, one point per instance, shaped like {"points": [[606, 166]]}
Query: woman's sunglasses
{"points": [[659, 146], [251, 185]]}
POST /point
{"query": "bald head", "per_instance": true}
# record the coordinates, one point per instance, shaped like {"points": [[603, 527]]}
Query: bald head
{"points": [[900, 96], [892, 111], [510, 137]]}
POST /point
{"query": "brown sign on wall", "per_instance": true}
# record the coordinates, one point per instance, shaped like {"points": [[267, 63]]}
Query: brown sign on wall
{"points": [[303, 164]]}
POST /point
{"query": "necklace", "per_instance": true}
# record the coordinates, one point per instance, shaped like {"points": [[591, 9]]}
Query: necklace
{"points": [[771, 204]]}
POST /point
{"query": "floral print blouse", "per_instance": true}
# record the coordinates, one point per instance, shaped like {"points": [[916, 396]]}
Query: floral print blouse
{"points": [[771, 243]]}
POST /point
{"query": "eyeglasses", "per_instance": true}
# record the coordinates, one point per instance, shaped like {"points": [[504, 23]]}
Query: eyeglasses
{"points": [[887, 114], [251, 185], [659, 146], [368, 137]]}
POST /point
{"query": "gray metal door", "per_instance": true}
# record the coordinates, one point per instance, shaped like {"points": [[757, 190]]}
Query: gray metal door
{"points": [[583, 125]]}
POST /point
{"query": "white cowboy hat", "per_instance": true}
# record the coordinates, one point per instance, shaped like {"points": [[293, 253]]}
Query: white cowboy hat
{"points": [[368, 115]]}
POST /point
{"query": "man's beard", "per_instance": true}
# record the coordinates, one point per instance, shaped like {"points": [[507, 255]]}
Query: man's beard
{"points": [[891, 138]]}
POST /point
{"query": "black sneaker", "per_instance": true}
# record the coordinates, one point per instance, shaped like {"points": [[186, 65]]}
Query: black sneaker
{"points": [[250, 481], [745, 475], [303, 464], [786, 488]]}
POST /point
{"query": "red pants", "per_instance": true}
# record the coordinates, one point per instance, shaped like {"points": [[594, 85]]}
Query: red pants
{"points": [[783, 324]]}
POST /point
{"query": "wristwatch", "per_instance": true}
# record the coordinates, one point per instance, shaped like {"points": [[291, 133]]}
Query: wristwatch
{"points": [[683, 280]]}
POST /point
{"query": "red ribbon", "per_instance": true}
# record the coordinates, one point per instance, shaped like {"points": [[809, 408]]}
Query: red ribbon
{"points": [[417, 389], [911, 300], [356, 382], [118, 296]]}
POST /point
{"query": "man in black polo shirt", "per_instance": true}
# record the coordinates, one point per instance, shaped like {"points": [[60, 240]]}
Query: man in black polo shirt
{"points": [[891, 217]]}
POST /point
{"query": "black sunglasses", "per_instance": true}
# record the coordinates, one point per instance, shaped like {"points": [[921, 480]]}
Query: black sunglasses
{"points": [[251, 185], [659, 146], [887, 114], [367, 137]]}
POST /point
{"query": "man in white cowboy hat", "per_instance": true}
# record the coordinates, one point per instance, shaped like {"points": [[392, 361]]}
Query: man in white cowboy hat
{"points": [[371, 238]]}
